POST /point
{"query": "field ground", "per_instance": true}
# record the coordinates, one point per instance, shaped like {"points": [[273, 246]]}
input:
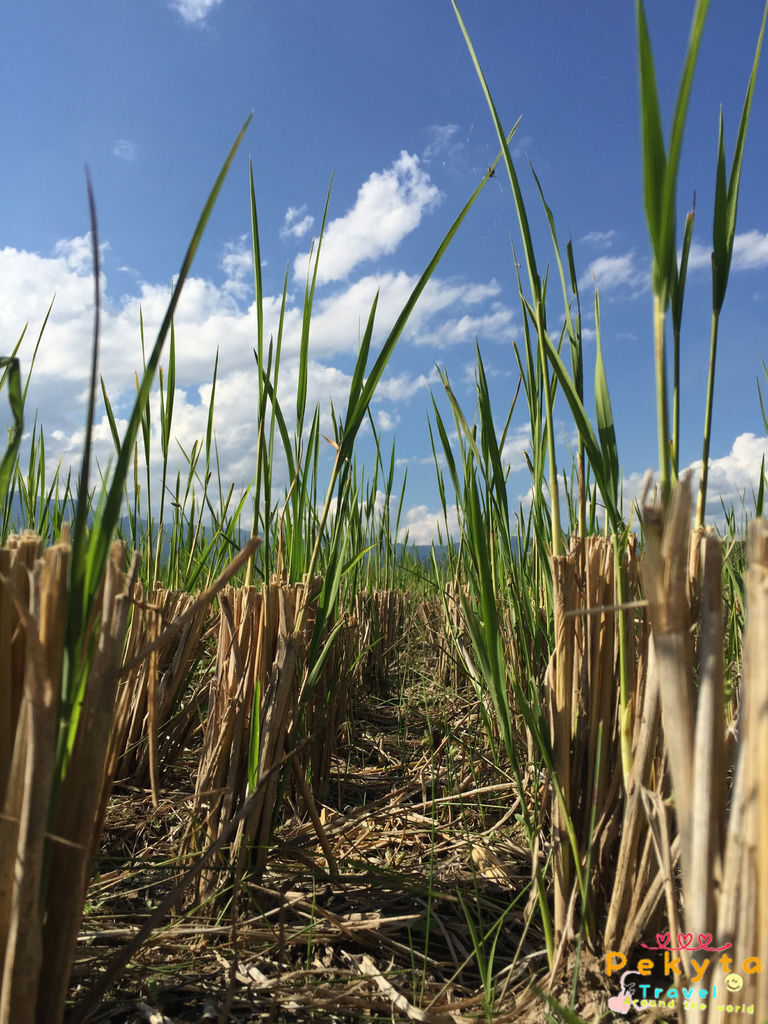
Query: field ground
{"points": [[428, 852]]}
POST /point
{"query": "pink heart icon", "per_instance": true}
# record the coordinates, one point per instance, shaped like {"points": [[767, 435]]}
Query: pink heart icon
{"points": [[620, 1003], [662, 939], [705, 940], [685, 939]]}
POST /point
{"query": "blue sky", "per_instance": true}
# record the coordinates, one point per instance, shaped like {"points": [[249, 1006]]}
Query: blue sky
{"points": [[150, 95]]}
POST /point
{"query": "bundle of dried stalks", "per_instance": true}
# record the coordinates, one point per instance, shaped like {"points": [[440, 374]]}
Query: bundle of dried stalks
{"points": [[259, 709], [51, 820], [381, 618], [585, 712], [682, 580], [451, 634], [723, 853], [48, 824], [325, 709], [742, 909], [143, 737], [431, 618]]}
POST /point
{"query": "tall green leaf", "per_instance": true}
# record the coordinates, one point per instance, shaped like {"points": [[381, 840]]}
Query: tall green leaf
{"points": [[727, 197], [91, 549]]}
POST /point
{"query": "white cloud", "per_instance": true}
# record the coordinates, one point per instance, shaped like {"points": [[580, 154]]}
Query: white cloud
{"points": [[496, 325], [237, 263], [698, 256], [389, 206], [125, 149], [736, 473], [616, 272], [750, 252], [77, 253], [599, 238], [339, 318], [401, 386], [194, 12], [425, 527], [517, 442], [731, 478], [492, 372], [385, 420], [441, 141], [211, 317], [296, 223]]}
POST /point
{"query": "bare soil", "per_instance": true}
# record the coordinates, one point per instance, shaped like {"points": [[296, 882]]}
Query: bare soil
{"points": [[429, 916]]}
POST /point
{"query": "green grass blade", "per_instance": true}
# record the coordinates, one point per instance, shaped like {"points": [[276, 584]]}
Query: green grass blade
{"points": [[760, 500], [89, 553], [356, 411], [114, 497], [257, 279], [110, 416], [584, 427], [604, 415], [678, 123], [760, 395], [727, 200], [12, 378], [81, 508], [309, 295], [504, 139], [654, 153], [660, 168]]}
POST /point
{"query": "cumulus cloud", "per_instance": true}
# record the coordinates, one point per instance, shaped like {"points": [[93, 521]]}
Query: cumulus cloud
{"points": [[340, 316], [212, 317], [389, 206], [423, 526], [386, 420], [732, 477], [237, 263], [614, 273], [698, 256], [194, 12], [517, 442], [218, 317], [497, 325], [296, 222], [401, 386], [750, 252]]}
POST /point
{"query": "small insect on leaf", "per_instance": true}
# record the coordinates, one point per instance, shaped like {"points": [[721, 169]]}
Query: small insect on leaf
{"points": [[491, 172]]}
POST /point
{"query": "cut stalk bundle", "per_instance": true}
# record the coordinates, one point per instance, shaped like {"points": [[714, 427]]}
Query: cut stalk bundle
{"points": [[143, 738], [723, 852], [48, 824], [260, 709], [742, 910], [381, 617], [439, 641], [585, 721], [447, 633]]}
